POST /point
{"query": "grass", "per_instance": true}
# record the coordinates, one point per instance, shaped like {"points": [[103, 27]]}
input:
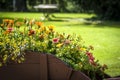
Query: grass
{"points": [[103, 36]]}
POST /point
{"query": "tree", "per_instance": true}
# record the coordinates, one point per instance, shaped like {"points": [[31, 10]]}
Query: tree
{"points": [[105, 9], [21, 5]]}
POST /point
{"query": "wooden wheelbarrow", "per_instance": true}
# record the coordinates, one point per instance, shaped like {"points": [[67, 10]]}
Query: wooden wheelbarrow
{"points": [[38, 66]]}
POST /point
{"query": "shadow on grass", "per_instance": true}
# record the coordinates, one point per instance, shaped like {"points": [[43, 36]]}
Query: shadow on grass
{"points": [[87, 21], [102, 23], [78, 21]]}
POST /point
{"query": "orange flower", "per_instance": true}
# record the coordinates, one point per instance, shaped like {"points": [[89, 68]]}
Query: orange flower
{"points": [[18, 24], [39, 24], [8, 21], [6, 32], [11, 21], [30, 23], [10, 25], [5, 20]]}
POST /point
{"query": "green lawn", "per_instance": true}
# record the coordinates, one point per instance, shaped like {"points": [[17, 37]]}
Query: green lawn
{"points": [[103, 36]]}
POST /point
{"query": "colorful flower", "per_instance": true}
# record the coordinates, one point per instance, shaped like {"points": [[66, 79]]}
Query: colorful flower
{"points": [[59, 45], [91, 58], [55, 40], [39, 24], [68, 48], [9, 30], [31, 32], [82, 49], [18, 24], [41, 37], [51, 27], [67, 42]]}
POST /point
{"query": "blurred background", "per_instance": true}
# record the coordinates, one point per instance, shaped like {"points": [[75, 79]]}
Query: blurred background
{"points": [[105, 9]]}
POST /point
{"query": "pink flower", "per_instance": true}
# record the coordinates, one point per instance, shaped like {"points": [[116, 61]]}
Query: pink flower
{"points": [[10, 29], [92, 62], [55, 40], [91, 58], [67, 41]]}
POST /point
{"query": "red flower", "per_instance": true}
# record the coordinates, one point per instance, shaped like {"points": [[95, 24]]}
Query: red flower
{"points": [[55, 40], [31, 32], [91, 58]]}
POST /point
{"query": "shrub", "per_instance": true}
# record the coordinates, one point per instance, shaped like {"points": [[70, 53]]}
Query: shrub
{"points": [[18, 36]]}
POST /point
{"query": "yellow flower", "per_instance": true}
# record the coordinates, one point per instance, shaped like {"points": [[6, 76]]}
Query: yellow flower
{"points": [[19, 61], [43, 28], [83, 49], [59, 45], [47, 31], [2, 25], [51, 27], [13, 58]]}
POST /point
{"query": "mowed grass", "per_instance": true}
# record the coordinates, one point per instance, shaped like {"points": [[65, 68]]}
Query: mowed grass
{"points": [[103, 36]]}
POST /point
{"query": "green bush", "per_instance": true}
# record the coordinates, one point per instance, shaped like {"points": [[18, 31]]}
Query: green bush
{"points": [[18, 36]]}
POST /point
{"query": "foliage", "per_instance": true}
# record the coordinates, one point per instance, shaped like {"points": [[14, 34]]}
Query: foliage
{"points": [[107, 10], [18, 36]]}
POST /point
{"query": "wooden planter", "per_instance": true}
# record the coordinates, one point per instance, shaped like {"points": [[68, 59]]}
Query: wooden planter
{"points": [[38, 66]]}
